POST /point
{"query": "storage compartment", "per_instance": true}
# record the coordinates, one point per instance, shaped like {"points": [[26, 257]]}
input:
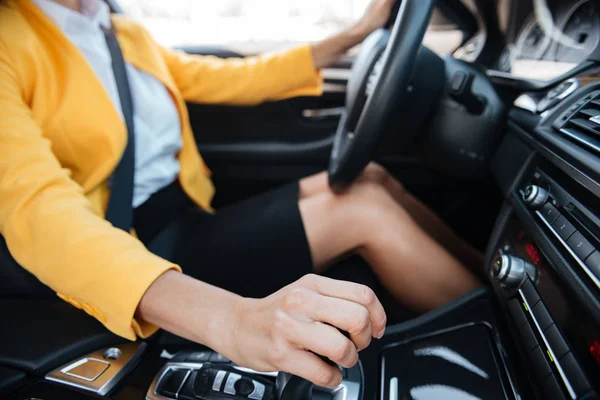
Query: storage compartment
{"points": [[457, 363]]}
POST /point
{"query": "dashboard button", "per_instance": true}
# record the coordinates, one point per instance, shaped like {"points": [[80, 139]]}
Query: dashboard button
{"points": [[575, 375], [230, 384], [540, 362], [553, 390], [218, 382], [259, 391], [593, 262], [580, 245], [556, 342], [543, 318], [564, 228], [550, 212], [516, 310], [530, 293], [529, 340]]}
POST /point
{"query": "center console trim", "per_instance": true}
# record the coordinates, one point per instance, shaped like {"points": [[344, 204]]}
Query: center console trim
{"points": [[128, 356], [499, 355], [561, 372], [585, 268], [347, 390]]}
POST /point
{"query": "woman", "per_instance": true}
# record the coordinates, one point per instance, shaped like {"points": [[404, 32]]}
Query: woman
{"points": [[62, 133]]}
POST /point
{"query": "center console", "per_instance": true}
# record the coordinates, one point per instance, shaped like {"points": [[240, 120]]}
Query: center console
{"points": [[546, 270]]}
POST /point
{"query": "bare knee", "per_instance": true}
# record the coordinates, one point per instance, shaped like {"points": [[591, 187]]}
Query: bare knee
{"points": [[370, 204], [376, 173]]}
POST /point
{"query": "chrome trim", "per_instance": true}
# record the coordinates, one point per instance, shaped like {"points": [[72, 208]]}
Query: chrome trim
{"points": [[587, 141], [347, 390], [595, 119], [251, 371], [561, 372], [110, 377], [394, 388], [585, 268]]}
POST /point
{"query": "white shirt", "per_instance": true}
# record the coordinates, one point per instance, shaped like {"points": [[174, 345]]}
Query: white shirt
{"points": [[156, 120]]}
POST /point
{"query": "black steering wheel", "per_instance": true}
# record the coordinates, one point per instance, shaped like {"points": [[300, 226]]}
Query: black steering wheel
{"points": [[378, 86]]}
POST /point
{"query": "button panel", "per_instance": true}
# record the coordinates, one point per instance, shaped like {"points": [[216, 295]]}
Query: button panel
{"points": [[540, 362], [542, 316], [230, 384], [580, 245], [259, 391], [575, 375], [556, 342], [564, 228], [218, 382], [530, 292], [593, 263], [529, 340], [550, 213], [516, 310]]}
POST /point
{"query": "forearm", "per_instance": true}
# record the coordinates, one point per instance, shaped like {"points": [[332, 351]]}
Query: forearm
{"points": [[190, 308], [329, 51]]}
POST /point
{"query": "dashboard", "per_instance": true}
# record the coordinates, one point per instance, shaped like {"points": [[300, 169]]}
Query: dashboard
{"points": [[547, 38]]}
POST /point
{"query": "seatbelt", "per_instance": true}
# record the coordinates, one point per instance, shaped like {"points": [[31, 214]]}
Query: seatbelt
{"points": [[120, 205]]}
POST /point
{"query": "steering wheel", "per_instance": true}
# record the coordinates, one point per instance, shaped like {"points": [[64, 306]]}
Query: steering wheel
{"points": [[378, 86]]}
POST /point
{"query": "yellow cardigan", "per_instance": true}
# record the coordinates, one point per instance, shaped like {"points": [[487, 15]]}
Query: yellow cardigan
{"points": [[61, 137]]}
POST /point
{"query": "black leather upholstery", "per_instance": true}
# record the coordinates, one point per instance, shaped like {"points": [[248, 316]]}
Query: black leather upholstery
{"points": [[16, 282], [40, 335], [10, 380]]}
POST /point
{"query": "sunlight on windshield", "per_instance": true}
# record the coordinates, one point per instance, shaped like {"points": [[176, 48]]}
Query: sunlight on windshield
{"points": [[254, 26]]}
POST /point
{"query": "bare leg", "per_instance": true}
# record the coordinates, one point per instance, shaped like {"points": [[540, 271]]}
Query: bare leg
{"points": [[420, 213], [367, 220]]}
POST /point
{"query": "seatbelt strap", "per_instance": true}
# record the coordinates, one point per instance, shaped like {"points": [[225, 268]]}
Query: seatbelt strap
{"points": [[120, 205]]}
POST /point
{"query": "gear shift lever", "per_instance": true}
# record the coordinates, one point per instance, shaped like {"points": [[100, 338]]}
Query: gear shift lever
{"points": [[292, 387]]}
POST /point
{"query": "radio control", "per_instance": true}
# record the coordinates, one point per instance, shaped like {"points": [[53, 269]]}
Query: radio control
{"points": [[535, 196], [511, 271]]}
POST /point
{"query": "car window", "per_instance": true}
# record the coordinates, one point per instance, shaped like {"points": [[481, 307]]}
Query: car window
{"points": [[254, 26]]}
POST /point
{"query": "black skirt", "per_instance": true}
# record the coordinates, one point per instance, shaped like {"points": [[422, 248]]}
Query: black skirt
{"points": [[252, 248]]}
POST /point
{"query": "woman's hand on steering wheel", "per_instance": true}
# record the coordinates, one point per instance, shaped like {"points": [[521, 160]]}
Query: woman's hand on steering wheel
{"points": [[287, 330]]}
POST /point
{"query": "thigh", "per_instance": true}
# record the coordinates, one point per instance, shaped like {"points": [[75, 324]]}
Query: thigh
{"points": [[252, 248]]}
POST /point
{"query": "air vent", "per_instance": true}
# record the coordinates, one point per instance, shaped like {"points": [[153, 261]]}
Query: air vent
{"points": [[581, 122]]}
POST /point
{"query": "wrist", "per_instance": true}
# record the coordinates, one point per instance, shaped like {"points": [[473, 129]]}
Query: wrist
{"points": [[221, 333], [358, 32]]}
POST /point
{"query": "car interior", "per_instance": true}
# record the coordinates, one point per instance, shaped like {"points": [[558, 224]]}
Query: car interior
{"points": [[501, 138]]}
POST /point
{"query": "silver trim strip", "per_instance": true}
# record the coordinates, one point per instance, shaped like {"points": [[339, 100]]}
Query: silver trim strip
{"points": [[585, 268], [563, 377], [110, 377], [394, 388], [589, 142]]}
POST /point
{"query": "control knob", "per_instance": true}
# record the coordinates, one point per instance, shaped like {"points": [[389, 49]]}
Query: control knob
{"points": [[511, 271], [535, 196]]}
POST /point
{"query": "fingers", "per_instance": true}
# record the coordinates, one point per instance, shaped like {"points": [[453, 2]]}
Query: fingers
{"points": [[324, 340], [345, 315], [308, 366], [353, 292]]}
